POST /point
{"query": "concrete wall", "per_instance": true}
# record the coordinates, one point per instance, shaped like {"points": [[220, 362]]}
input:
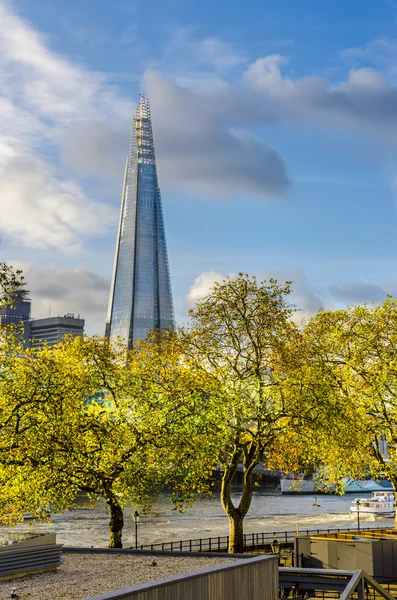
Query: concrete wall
{"points": [[252, 579]]}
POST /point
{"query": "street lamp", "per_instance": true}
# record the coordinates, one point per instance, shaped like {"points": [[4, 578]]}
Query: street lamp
{"points": [[135, 516], [358, 502], [276, 548]]}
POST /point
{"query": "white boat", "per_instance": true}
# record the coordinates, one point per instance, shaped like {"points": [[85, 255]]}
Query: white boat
{"points": [[380, 503], [298, 485]]}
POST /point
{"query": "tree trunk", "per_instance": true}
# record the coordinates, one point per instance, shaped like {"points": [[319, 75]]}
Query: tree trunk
{"points": [[236, 533], [116, 524], [237, 514]]}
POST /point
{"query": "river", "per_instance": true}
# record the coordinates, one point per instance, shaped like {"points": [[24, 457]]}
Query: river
{"points": [[87, 526]]}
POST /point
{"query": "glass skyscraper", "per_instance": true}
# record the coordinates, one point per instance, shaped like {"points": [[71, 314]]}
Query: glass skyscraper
{"points": [[140, 294]]}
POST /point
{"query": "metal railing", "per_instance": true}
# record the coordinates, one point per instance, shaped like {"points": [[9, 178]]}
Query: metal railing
{"points": [[252, 541], [330, 583]]}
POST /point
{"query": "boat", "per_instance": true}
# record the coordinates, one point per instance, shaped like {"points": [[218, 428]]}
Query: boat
{"points": [[299, 485], [380, 503]]}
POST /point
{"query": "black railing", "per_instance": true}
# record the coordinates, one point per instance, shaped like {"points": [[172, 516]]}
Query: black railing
{"points": [[252, 541]]}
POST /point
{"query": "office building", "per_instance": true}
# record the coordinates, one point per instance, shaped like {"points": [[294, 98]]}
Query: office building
{"points": [[52, 330], [140, 295]]}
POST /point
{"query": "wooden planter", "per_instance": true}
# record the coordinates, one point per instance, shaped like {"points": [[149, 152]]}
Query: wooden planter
{"points": [[34, 555]]}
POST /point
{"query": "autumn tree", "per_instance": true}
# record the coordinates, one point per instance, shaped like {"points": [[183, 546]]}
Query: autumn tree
{"points": [[74, 417], [276, 410], [239, 336], [356, 354]]}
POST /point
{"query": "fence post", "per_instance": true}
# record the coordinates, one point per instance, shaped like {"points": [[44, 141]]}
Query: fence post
{"points": [[190, 545], [209, 544], [301, 560], [200, 545], [292, 559], [180, 545]]}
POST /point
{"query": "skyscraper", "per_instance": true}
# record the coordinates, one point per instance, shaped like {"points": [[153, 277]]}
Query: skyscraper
{"points": [[18, 312], [140, 294]]}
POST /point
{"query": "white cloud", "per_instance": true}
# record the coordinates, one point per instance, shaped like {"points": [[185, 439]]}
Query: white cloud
{"points": [[56, 291], [201, 286], [199, 148], [42, 95], [203, 124], [190, 59], [380, 53], [306, 299], [304, 296], [44, 211], [47, 82], [365, 100]]}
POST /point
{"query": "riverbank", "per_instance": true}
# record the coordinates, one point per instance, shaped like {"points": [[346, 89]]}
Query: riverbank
{"points": [[87, 526]]}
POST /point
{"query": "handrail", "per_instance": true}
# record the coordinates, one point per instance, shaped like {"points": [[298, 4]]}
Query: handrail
{"points": [[352, 585], [310, 571], [368, 579]]}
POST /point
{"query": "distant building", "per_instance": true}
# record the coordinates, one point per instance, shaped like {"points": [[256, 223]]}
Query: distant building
{"points": [[52, 330], [18, 312]]}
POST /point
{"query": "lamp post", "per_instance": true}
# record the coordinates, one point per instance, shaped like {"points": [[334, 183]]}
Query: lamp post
{"points": [[135, 516], [358, 502], [276, 548]]}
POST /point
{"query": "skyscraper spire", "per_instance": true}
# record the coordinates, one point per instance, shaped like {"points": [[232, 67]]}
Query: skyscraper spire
{"points": [[140, 294]]}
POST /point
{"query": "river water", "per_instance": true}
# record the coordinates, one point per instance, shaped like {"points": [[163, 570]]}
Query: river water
{"points": [[84, 525]]}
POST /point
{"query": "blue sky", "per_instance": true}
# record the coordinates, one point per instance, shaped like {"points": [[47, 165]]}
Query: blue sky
{"points": [[275, 125]]}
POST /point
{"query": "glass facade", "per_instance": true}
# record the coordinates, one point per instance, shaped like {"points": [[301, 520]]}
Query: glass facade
{"points": [[140, 295], [18, 313]]}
